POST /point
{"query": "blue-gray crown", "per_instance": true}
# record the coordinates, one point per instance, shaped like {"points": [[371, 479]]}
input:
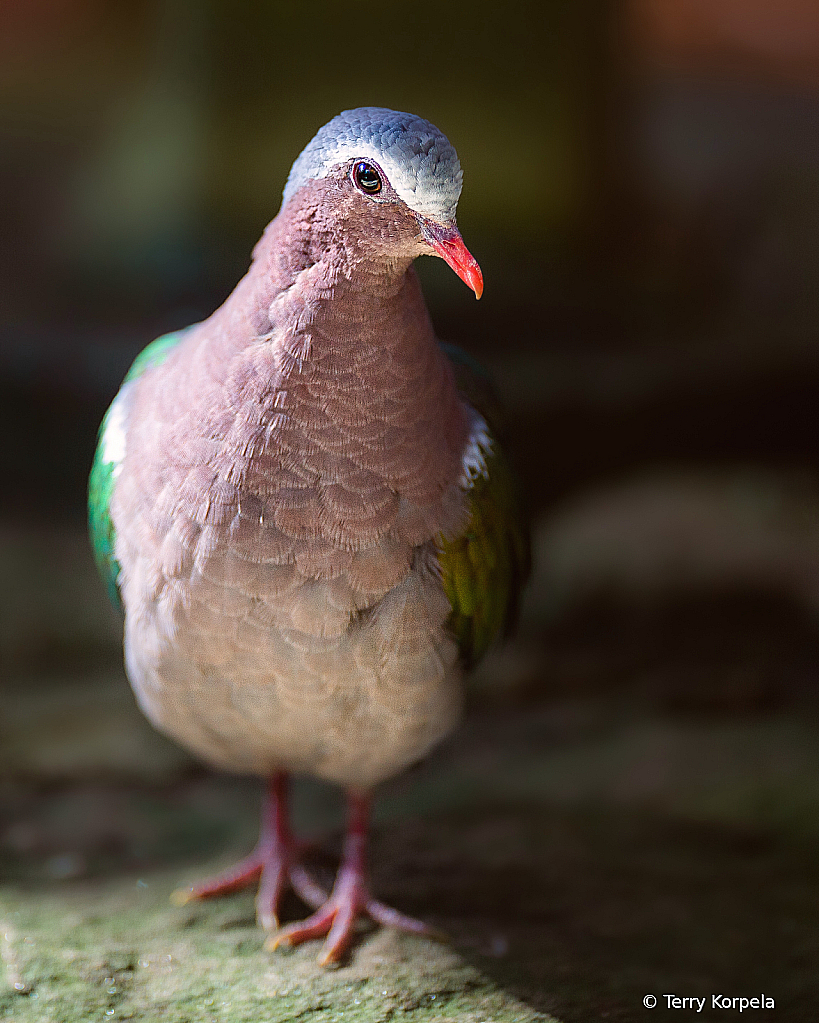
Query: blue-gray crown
{"points": [[421, 164]]}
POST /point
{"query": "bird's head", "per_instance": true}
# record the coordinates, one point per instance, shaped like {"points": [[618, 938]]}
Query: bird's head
{"points": [[399, 179]]}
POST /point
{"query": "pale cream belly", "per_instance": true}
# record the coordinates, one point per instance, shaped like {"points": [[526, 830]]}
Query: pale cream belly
{"points": [[238, 685]]}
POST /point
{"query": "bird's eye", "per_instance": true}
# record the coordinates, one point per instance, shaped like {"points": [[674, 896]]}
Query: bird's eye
{"points": [[367, 178]]}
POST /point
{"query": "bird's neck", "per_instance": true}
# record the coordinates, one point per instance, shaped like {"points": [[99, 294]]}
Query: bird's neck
{"points": [[327, 291], [351, 354]]}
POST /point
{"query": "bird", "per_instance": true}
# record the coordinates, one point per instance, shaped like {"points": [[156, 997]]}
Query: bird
{"points": [[305, 507]]}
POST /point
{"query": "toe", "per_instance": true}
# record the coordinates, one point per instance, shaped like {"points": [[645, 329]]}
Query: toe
{"points": [[271, 890], [237, 877], [308, 890], [340, 936], [304, 930], [389, 917]]}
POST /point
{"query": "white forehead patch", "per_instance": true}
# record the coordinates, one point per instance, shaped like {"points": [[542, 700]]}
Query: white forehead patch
{"points": [[419, 161]]}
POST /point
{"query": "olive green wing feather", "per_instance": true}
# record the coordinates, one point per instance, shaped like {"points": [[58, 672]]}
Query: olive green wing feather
{"points": [[485, 567], [108, 461]]}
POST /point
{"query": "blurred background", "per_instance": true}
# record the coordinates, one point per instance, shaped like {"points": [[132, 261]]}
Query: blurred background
{"points": [[642, 192]]}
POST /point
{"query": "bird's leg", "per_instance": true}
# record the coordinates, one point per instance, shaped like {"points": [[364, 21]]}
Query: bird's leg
{"points": [[273, 862], [350, 897]]}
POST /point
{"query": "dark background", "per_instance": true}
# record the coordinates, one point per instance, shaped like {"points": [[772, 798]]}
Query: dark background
{"points": [[642, 192], [641, 189]]}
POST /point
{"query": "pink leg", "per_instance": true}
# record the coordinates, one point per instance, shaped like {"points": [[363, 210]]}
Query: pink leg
{"points": [[350, 897], [274, 862]]}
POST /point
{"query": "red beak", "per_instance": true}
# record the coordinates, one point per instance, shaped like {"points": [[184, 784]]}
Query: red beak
{"points": [[447, 242]]}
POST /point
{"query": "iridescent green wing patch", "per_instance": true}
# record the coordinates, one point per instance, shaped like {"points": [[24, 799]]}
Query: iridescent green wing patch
{"points": [[108, 461], [485, 567]]}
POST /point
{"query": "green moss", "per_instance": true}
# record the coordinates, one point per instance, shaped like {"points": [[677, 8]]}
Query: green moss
{"points": [[118, 950]]}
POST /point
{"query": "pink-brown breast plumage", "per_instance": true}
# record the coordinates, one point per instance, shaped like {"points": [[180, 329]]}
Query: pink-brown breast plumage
{"points": [[287, 472]]}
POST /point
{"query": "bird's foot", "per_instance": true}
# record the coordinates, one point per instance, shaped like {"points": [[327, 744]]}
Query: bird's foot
{"points": [[275, 863], [274, 868], [349, 900]]}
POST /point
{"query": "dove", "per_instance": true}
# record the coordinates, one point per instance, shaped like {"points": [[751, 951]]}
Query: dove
{"points": [[304, 507]]}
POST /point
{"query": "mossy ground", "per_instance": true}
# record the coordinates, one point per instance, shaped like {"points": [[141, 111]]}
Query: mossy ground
{"points": [[113, 951]]}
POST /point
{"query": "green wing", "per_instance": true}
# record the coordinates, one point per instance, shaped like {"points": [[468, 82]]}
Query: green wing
{"points": [[108, 460], [484, 569]]}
